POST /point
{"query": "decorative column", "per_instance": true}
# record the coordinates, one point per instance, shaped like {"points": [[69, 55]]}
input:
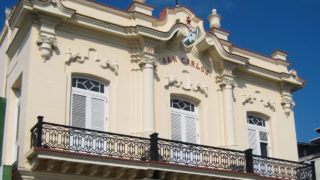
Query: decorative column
{"points": [[136, 58], [148, 64], [227, 83]]}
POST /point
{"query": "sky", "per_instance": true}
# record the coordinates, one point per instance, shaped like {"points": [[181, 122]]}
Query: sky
{"points": [[263, 26]]}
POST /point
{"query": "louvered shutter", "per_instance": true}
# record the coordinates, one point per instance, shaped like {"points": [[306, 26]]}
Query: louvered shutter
{"points": [[78, 111], [176, 127], [253, 140], [97, 114], [191, 129]]}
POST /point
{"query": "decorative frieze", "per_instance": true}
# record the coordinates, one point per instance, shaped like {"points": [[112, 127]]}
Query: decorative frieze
{"points": [[185, 85], [92, 56], [257, 98]]}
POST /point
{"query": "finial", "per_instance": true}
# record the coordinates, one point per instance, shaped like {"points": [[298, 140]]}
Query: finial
{"points": [[214, 18], [140, 1]]}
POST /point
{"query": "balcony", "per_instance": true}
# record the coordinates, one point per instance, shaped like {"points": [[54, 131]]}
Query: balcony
{"points": [[72, 150]]}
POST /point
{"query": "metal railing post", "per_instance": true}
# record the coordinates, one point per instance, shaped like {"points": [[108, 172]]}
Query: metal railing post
{"points": [[154, 154], [313, 170], [249, 160], [39, 131]]}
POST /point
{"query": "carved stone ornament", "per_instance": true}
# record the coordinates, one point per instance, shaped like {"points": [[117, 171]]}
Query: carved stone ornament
{"points": [[92, 55], [287, 103], [257, 98], [174, 82], [148, 62], [225, 80], [46, 46], [112, 66]]}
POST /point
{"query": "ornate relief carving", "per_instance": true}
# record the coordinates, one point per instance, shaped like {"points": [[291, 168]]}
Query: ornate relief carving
{"points": [[112, 66], [46, 46], [256, 97], [225, 80], [202, 89], [172, 82], [92, 56], [148, 62], [287, 103], [73, 57], [185, 85]]}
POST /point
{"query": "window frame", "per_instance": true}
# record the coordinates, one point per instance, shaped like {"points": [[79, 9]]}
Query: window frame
{"points": [[257, 130], [89, 94], [184, 114]]}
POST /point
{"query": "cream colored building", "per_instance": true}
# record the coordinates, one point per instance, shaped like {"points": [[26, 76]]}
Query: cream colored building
{"points": [[83, 64]]}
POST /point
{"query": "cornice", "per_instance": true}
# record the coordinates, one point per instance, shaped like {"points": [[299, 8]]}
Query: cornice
{"points": [[129, 31], [296, 82], [211, 40], [261, 56]]}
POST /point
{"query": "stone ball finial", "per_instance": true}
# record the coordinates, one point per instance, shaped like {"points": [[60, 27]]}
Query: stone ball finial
{"points": [[140, 1], [214, 18]]}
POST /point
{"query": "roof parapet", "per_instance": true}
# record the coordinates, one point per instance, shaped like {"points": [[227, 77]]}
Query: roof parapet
{"points": [[141, 7], [278, 54]]}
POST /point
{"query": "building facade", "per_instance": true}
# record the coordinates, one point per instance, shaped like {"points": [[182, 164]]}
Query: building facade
{"points": [[126, 95]]}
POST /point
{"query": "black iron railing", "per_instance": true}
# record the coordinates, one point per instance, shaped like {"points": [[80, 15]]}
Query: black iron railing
{"points": [[79, 140]]}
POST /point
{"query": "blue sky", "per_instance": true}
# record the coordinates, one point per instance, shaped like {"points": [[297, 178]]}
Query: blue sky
{"points": [[263, 26]]}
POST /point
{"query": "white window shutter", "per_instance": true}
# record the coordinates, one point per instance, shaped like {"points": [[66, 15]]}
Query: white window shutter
{"points": [[191, 129], [97, 114], [78, 111], [253, 140], [176, 127]]}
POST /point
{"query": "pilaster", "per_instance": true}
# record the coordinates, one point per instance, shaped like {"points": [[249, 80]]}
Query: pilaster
{"points": [[148, 65], [226, 82]]}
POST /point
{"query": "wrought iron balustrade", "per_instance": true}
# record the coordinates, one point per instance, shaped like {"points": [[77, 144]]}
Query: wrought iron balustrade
{"points": [[201, 156], [78, 140], [280, 168]]}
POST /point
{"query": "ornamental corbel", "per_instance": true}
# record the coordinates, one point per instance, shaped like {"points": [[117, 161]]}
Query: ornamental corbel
{"points": [[114, 67], [287, 103], [46, 46], [172, 82]]}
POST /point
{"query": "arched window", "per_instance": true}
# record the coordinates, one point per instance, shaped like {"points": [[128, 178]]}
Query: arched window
{"points": [[184, 121], [88, 104], [258, 134]]}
